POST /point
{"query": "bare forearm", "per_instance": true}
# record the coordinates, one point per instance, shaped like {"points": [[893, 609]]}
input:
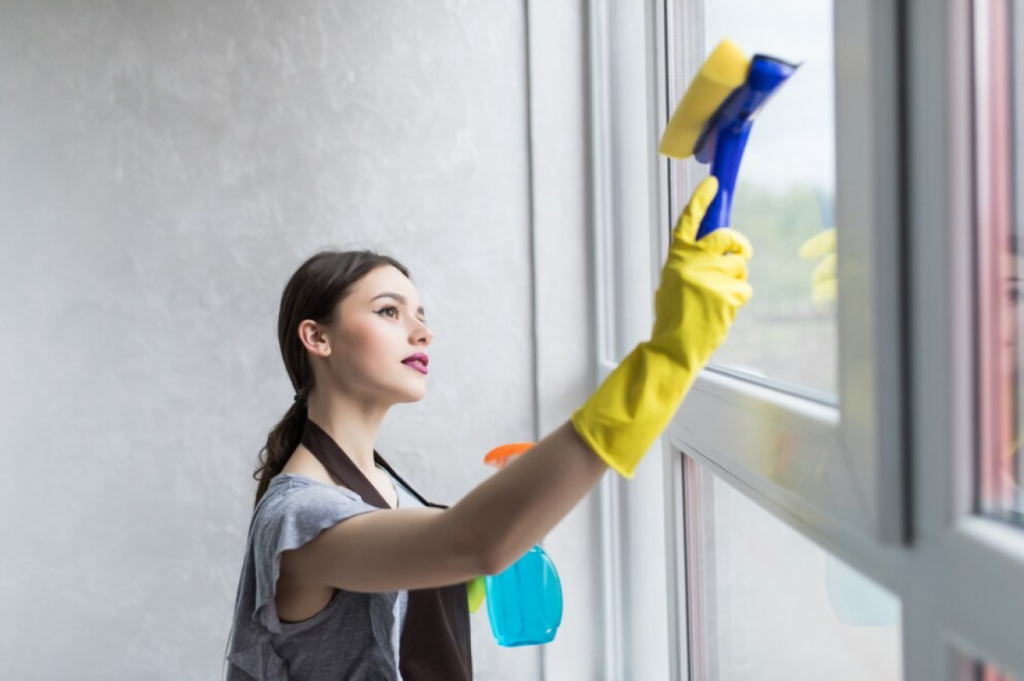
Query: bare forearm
{"points": [[513, 509]]}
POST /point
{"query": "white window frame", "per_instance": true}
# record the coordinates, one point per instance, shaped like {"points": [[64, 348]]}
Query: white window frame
{"points": [[906, 355], [967, 598], [865, 446], [625, 178]]}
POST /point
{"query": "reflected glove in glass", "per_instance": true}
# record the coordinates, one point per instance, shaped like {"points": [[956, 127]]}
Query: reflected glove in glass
{"points": [[824, 286]]}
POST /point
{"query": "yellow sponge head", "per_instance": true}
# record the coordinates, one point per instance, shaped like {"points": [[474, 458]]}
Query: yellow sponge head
{"points": [[723, 71]]}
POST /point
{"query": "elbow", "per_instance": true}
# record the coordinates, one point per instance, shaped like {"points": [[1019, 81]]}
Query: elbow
{"points": [[478, 553], [490, 564], [494, 561], [487, 556]]}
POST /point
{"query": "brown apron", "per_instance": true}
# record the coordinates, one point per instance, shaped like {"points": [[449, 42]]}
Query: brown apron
{"points": [[435, 643]]}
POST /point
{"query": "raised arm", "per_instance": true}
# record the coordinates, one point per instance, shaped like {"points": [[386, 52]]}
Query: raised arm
{"points": [[487, 530], [703, 284]]}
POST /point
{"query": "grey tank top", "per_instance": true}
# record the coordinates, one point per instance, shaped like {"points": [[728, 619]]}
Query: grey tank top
{"points": [[356, 636]]}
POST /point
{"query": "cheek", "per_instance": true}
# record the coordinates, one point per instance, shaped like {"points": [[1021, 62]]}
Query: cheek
{"points": [[371, 344]]}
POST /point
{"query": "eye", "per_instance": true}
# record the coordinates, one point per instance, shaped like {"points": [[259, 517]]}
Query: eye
{"points": [[395, 310]]}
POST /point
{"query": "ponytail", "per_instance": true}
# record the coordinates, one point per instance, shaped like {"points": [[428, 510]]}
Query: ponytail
{"points": [[281, 442]]}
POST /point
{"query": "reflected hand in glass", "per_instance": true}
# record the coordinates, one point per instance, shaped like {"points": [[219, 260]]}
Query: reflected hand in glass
{"points": [[824, 286]]}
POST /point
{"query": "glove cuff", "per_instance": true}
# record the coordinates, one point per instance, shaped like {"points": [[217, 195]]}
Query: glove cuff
{"points": [[632, 407]]}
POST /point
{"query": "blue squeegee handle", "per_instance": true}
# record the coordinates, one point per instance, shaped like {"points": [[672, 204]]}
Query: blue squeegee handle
{"points": [[726, 134], [726, 167]]}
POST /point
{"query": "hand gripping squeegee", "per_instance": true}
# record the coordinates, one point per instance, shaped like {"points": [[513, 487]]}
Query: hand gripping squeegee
{"points": [[715, 116]]}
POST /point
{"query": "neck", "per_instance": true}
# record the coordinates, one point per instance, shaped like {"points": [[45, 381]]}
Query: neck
{"points": [[350, 423]]}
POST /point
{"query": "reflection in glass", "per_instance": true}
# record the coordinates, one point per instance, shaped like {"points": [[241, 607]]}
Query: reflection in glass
{"points": [[1000, 317], [987, 672], [766, 604], [980, 671], [785, 197]]}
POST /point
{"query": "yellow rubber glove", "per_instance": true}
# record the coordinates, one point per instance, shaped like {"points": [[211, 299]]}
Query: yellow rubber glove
{"points": [[824, 287], [702, 286], [476, 590]]}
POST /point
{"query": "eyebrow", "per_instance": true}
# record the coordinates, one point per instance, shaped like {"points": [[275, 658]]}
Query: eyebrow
{"points": [[398, 297]]}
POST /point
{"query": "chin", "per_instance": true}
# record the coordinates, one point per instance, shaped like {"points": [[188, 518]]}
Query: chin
{"points": [[414, 395], [410, 388]]}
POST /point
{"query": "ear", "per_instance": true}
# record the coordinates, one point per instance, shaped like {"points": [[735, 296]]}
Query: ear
{"points": [[314, 338]]}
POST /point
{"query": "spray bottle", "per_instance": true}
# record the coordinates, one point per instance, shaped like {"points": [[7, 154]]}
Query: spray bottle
{"points": [[524, 602]]}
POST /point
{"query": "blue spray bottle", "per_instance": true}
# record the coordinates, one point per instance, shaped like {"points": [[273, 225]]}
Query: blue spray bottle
{"points": [[524, 602]]}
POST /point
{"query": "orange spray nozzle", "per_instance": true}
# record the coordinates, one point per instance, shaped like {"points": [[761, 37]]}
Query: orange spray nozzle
{"points": [[499, 457]]}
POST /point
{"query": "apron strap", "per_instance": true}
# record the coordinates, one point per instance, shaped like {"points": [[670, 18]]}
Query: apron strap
{"points": [[384, 464], [338, 464], [435, 642]]}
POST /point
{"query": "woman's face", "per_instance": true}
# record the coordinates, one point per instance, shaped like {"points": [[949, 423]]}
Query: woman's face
{"points": [[380, 324]]}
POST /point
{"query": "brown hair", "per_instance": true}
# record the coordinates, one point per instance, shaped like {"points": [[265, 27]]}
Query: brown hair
{"points": [[313, 292]]}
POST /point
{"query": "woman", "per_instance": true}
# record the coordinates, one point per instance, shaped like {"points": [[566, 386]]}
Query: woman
{"points": [[382, 595]]}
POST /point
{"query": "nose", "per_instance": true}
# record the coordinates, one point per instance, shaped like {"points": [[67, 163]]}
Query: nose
{"points": [[422, 332]]}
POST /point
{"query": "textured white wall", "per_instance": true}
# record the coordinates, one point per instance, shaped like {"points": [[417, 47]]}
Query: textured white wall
{"points": [[164, 167]]}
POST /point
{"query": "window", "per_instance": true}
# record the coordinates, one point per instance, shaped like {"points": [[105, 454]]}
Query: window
{"points": [[987, 672], [785, 195], [777, 388], [895, 477], [998, 116], [767, 604], [883, 484], [967, 668]]}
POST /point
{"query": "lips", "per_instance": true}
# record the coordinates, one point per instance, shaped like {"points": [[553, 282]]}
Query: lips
{"points": [[418, 362], [418, 366]]}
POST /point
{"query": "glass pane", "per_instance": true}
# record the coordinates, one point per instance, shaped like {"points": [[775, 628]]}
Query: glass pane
{"points": [[785, 194], [987, 672], [969, 669], [1000, 317], [766, 604]]}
